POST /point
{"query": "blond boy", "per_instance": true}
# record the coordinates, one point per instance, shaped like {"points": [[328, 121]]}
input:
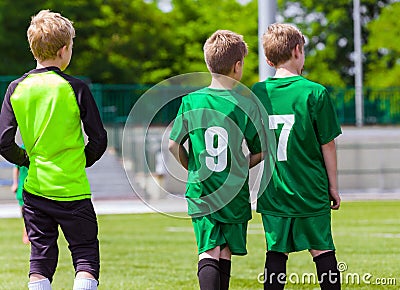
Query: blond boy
{"points": [[215, 120], [296, 205], [49, 106]]}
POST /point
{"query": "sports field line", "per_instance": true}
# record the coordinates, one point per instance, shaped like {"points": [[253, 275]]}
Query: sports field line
{"points": [[12, 210], [178, 205]]}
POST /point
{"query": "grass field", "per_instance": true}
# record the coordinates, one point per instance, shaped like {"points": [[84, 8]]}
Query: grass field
{"points": [[154, 251]]}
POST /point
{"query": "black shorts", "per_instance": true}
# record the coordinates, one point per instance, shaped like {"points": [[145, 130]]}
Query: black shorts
{"points": [[78, 223]]}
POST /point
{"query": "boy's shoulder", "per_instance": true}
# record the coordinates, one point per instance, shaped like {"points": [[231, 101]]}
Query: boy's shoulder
{"points": [[56, 70], [258, 86], [311, 84], [18, 80], [72, 79], [298, 81], [203, 94], [77, 84], [242, 96]]}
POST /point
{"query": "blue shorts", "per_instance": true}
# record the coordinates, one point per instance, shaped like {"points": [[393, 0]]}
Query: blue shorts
{"points": [[78, 223]]}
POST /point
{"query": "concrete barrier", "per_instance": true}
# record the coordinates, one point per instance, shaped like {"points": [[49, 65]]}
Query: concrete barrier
{"points": [[368, 160]]}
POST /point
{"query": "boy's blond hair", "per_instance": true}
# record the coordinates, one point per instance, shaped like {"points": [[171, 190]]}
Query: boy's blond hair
{"points": [[47, 33], [222, 50], [279, 41]]}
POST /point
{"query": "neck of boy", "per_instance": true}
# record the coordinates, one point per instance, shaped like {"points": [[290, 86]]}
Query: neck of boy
{"points": [[285, 72], [48, 63], [221, 82]]}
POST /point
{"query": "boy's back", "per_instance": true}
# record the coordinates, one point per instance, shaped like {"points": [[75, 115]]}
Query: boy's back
{"points": [[48, 106], [216, 122], [302, 117], [295, 207]]}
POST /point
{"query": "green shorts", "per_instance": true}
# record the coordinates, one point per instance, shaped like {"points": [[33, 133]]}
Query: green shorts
{"points": [[211, 233], [294, 234]]}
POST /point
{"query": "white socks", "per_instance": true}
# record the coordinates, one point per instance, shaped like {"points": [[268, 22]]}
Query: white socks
{"points": [[43, 284], [85, 284], [79, 284]]}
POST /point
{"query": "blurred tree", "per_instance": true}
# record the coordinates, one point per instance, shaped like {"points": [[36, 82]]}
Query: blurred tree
{"points": [[15, 57], [133, 41], [195, 20], [117, 41], [382, 49], [328, 26], [120, 41]]}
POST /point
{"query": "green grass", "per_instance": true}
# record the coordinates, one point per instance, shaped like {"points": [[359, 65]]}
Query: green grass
{"points": [[155, 251]]}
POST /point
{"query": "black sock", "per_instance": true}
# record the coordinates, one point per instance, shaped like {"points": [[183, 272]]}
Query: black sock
{"points": [[327, 271], [275, 271], [208, 273], [224, 273]]}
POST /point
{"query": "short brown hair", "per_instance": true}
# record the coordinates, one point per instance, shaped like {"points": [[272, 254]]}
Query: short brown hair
{"points": [[47, 33], [222, 50], [279, 40]]}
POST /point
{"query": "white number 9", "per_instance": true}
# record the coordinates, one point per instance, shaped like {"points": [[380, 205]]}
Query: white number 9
{"points": [[218, 159]]}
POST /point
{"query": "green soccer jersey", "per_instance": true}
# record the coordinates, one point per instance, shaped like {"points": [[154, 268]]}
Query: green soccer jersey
{"points": [[303, 118], [216, 122]]}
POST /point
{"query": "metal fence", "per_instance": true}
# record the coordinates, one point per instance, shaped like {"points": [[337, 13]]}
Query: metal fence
{"points": [[381, 105], [367, 162]]}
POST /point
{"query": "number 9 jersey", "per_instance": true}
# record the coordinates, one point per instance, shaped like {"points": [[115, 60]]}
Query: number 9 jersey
{"points": [[217, 122], [303, 117]]}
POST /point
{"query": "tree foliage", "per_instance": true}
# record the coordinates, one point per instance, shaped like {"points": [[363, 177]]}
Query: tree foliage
{"points": [[328, 26], [383, 69], [133, 41]]}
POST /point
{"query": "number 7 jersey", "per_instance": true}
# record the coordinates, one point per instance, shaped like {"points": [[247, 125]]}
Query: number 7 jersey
{"points": [[302, 116], [217, 122]]}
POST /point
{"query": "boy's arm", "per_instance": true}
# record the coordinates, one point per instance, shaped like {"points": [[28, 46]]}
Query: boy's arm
{"points": [[329, 154], [254, 159], [93, 127], [179, 152], [256, 138], [8, 129], [14, 185]]}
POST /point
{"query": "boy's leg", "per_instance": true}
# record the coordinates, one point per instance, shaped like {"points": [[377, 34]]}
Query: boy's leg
{"points": [[279, 239], [275, 270], [209, 238], [327, 271], [225, 268], [42, 230], [25, 238], [208, 269], [236, 244], [78, 222]]}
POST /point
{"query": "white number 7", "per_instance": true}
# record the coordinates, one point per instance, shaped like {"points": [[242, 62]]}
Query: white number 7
{"points": [[287, 121]]}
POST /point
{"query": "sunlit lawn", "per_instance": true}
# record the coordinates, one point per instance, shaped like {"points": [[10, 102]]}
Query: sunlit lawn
{"points": [[155, 251]]}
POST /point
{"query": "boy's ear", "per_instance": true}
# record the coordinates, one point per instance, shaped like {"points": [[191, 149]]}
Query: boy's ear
{"points": [[269, 63], [297, 51], [237, 66], [61, 51]]}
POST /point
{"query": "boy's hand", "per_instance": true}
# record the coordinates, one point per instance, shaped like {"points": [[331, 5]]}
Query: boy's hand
{"points": [[14, 187], [335, 199]]}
